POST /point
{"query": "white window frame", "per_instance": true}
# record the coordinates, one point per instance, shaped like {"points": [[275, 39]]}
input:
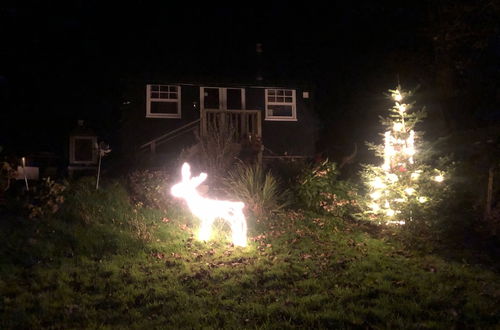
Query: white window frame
{"points": [[72, 142], [149, 99], [293, 104]]}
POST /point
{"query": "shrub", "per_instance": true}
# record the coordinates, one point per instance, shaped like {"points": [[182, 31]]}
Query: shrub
{"points": [[150, 188], [47, 198], [287, 171], [256, 188], [320, 190], [453, 209], [7, 173]]}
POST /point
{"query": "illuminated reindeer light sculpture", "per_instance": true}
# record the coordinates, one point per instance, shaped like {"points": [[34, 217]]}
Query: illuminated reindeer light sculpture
{"points": [[207, 210]]}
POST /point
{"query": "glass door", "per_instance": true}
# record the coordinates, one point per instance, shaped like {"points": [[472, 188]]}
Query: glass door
{"points": [[221, 98]]}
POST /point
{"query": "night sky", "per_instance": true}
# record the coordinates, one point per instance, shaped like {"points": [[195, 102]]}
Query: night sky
{"points": [[63, 61]]}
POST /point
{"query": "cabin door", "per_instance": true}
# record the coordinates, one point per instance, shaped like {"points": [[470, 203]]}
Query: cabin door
{"points": [[221, 98], [220, 107]]}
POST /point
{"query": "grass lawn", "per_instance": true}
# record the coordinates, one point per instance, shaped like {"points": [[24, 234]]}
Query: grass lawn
{"points": [[105, 263]]}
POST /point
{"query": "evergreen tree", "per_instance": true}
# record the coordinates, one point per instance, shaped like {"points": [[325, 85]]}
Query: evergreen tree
{"points": [[403, 185]]}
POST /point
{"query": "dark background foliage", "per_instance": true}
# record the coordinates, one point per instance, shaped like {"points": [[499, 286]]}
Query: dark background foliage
{"points": [[63, 61]]}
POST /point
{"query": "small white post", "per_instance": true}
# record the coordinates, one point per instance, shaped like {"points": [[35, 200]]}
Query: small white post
{"points": [[98, 172], [23, 160]]}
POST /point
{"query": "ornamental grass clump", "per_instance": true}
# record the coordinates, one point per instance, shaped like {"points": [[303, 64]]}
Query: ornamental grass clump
{"points": [[258, 189]]}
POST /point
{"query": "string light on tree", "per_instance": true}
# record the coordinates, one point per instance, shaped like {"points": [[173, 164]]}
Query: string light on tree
{"points": [[397, 183]]}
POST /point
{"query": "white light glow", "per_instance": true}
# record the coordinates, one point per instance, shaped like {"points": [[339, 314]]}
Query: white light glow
{"points": [[415, 175], [410, 151], [396, 222], [410, 148], [397, 96], [377, 183], [398, 127], [422, 199], [208, 210], [439, 178], [392, 177], [376, 195], [410, 191], [388, 151]]}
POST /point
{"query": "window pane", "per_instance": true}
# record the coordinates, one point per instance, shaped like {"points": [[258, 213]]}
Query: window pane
{"points": [[280, 99], [155, 95], [234, 100], [164, 88], [173, 88], [211, 98], [288, 99], [155, 87], [271, 99], [164, 107], [288, 93], [173, 96], [281, 110], [272, 92], [164, 95], [281, 92], [83, 150]]}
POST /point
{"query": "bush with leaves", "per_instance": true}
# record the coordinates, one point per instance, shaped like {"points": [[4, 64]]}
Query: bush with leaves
{"points": [[150, 188], [47, 198], [7, 173], [319, 189], [287, 171], [453, 212], [259, 190]]}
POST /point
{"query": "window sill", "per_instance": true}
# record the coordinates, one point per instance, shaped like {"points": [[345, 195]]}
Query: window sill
{"points": [[172, 116], [280, 119]]}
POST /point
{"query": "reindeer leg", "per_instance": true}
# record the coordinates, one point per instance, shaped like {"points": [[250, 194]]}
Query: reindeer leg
{"points": [[239, 229], [205, 229]]}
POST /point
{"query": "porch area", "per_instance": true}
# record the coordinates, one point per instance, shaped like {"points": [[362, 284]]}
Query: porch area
{"points": [[246, 125]]}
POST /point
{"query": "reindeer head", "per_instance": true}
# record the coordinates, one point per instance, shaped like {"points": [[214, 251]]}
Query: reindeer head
{"points": [[187, 187]]}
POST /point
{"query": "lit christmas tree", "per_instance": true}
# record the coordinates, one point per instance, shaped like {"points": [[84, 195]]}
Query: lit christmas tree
{"points": [[402, 186]]}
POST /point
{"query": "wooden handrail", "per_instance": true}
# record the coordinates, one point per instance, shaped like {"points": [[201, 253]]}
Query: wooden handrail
{"points": [[159, 139]]}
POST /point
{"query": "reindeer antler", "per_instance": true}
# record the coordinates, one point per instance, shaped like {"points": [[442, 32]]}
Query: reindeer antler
{"points": [[197, 180], [186, 172]]}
